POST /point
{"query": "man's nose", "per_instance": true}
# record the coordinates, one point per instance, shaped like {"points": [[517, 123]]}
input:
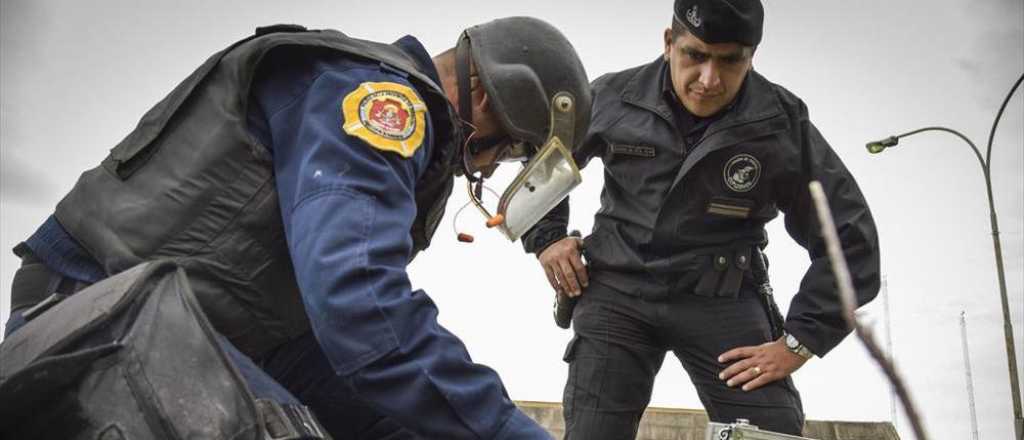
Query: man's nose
{"points": [[709, 75]]}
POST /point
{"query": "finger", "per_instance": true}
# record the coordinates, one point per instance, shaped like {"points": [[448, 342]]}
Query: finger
{"points": [[569, 281], [743, 377], [736, 353], [551, 278], [760, 381], [579, 269], [735, 369]]}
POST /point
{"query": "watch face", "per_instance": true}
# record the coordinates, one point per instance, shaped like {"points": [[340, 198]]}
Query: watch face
{"points": [[791, 342]]}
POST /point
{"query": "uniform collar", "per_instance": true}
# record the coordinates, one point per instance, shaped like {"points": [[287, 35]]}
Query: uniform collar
{"points": [[412, 47]]}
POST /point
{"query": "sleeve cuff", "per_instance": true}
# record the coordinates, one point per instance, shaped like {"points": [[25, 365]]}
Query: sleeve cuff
{"points": [[541, 239], [816, 342], [520, 426]]}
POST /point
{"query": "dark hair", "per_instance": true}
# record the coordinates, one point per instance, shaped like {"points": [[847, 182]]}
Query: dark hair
{"points": [[678, 29]]}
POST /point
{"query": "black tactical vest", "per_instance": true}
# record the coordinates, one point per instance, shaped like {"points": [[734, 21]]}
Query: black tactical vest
{"points": [[191, 183]]}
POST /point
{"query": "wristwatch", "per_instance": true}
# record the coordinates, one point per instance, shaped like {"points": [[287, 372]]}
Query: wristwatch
{"points": [[792, 344]]}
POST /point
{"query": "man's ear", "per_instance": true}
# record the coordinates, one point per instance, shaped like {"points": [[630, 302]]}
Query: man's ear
{"points": [[483, 105], [668, 42]]}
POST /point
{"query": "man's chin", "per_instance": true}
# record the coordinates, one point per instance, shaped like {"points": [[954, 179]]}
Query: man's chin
{"points": [[702, 109]]}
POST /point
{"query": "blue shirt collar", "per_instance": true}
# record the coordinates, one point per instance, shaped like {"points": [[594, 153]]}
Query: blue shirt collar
{"points": [[412, 47]]}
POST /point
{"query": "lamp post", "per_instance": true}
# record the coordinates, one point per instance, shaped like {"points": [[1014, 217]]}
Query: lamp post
{"points": [[879, 146]]}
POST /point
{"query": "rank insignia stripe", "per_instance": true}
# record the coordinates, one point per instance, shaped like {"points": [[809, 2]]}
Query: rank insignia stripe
{"points": [[730, 207], [388, 116]]}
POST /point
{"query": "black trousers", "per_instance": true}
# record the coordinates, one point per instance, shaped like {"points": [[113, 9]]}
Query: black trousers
{"points": [[621, 341]]}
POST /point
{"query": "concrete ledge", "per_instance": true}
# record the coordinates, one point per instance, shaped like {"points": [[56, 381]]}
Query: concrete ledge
{"points": [[690, 424]]}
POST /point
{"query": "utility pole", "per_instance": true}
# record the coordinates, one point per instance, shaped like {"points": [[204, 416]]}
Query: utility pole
{"points": [[893, 414], [970, 380], [879, 146]]}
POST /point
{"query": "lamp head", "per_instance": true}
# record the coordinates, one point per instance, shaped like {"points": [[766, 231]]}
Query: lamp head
{"points": [[876, 147]]}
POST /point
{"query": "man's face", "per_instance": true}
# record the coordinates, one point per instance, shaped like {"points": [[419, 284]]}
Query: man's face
{"points": [[705, 77], [487, 126]]}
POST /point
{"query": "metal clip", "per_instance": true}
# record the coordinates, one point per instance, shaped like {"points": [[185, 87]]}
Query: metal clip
{"points": [[43, 306]]}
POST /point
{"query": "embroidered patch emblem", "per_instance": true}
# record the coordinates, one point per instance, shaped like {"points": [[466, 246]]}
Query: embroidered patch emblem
{"points": [[742, 172], [692, 16], [388, 116]]}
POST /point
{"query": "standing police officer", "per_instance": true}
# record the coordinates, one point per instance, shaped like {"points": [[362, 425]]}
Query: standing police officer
{"points": [[293, 176], [700, 152]]}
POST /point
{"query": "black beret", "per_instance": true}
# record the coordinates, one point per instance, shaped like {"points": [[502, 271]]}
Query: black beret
{"points": [[722, 21]]}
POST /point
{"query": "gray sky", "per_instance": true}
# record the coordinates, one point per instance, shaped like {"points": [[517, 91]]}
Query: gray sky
{"points": [[76, 76]]}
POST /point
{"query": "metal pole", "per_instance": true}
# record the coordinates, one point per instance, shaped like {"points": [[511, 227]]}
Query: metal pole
{"points": [[893, 414], [970, 380], [1011, 356], [1011, 351]]}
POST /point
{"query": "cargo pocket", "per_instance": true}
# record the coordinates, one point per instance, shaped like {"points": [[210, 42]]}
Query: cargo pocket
{"points": [[569, 393], [570, 349]]}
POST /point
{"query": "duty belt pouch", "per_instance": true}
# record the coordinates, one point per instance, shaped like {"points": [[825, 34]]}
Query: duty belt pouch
{"points": [[725, 276], [131, 357]]}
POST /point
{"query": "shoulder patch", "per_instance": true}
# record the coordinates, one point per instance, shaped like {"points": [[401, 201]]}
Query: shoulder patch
{"points": [[742, 172], [388, 116]]}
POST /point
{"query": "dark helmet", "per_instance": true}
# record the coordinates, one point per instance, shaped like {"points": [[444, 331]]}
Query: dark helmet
{"points": [[523, 62], [539, 91]]}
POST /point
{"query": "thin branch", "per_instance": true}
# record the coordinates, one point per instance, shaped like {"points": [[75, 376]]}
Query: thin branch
{"points": [[848, 299]]}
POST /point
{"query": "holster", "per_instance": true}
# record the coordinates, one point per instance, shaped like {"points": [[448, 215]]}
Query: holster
{"points": [[564, 304], [764, 287], [132, 356]]}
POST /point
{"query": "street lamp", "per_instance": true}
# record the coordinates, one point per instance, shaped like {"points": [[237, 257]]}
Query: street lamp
{"points": [[879, 146]]}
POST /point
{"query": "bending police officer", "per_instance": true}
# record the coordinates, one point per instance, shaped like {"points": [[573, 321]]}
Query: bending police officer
{"points": [[700, 152], [293, 176]]}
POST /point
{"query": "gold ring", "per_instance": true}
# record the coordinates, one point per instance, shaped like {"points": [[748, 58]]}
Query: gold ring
{"points": [[757, 371]]}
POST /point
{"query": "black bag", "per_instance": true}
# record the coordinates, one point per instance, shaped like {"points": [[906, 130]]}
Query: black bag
{"points": [[131, 357]]}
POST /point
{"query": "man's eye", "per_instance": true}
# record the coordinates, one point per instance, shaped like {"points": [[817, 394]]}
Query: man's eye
{"points": [[697, 56]]}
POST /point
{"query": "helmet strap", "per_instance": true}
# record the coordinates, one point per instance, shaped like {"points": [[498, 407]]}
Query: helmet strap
{"points": [[463, 81]]}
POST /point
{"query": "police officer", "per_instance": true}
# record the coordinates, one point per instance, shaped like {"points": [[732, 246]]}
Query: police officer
{"points": [[700, 152], [294, 175]]}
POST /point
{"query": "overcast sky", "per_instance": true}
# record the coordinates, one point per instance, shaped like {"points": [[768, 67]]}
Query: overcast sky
{"points": [[76, 76]]}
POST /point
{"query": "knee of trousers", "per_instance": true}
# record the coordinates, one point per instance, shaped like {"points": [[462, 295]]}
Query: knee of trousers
{"points": [[606, 391]]}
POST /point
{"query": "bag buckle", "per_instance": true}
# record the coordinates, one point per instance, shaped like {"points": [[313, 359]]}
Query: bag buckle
{"points": [[290, 422]]}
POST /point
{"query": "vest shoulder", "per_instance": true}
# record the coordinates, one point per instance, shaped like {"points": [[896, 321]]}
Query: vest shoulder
{"points": [[615, 82], [790, 102]]}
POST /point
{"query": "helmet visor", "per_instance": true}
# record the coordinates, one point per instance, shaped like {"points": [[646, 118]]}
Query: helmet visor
{"points": [[545, 180]]}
